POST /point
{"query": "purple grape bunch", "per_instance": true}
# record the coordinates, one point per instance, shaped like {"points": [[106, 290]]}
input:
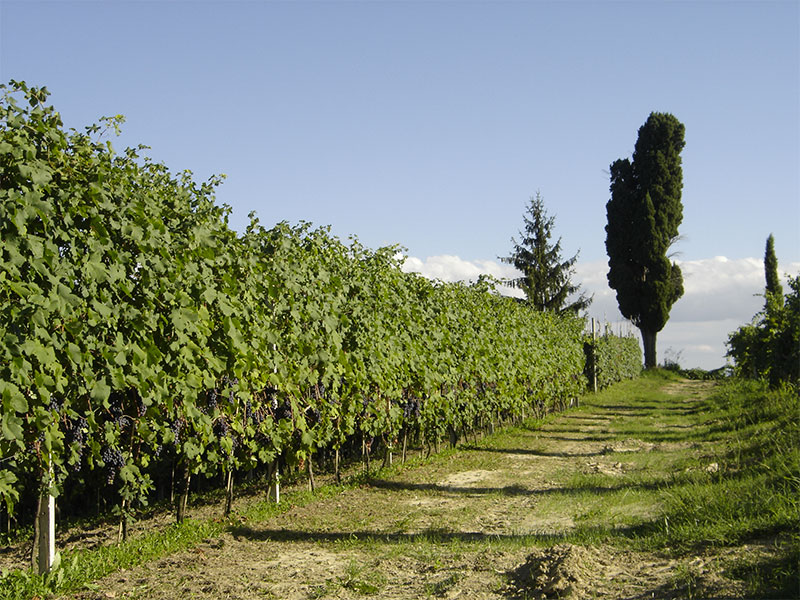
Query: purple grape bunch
{"points": [[113, 460]]}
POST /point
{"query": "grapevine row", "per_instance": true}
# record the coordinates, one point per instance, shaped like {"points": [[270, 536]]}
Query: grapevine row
{"points": [[138, 327]]}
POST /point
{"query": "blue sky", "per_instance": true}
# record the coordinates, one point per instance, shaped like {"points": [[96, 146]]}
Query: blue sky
{"points": [[430, 124]]}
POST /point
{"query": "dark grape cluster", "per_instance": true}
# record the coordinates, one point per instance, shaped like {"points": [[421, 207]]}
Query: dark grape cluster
{"points": [[223, 430], [229, 384], [56, 404], [113, 460], [116, 404], [141, 407], [75, 436], [177, 427], [317, 391], [262, 439], [76, 431], [411, 408], [248, 411], [212, 399], [271, 397], [283, 411]]}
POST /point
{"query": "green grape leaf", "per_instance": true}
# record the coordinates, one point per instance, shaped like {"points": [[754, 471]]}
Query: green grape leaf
{"points": [[100, 391]]}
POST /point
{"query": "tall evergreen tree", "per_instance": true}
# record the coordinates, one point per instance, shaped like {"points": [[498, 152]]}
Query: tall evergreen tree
{"points": [[774, 288], [546, 279], [644, 213]]}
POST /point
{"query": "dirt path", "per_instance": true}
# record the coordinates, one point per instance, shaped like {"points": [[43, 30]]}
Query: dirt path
{"points": [[513, 517]]}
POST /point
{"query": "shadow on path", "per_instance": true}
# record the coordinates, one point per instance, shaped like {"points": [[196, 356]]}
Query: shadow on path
{"points": [[428, 535], [528, 452], [514, 490]]}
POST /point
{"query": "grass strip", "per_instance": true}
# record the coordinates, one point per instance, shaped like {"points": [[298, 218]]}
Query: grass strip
{"points": [[747, 432], [78, 569]]}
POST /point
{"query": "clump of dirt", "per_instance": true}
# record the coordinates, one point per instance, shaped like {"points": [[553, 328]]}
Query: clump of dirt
{"points": [[614, 470], [562, 571]]}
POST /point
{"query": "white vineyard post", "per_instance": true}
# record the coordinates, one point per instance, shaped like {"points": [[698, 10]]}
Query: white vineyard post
{"points": [[594, 358], [47, 526], [275, 486]]}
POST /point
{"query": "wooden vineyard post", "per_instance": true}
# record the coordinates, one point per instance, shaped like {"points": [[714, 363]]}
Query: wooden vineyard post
{"points": [[7, 519], [310, 471], [387, 459], [275, 470], [229, 492], [594, 358], [47, 526], [122, 533], [183, 493]]}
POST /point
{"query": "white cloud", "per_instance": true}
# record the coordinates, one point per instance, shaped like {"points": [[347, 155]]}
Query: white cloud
{"points": [[592, 278], [447, 267], [451, 268], [720, 295], [718, 288]]}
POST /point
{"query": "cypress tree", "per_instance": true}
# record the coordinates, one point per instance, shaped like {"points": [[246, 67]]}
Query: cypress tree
{"points": [[774, 288], [644, 213]]}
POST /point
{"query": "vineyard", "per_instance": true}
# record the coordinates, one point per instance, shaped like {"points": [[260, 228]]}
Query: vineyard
{"points": [[146, 344], [656, 487]]}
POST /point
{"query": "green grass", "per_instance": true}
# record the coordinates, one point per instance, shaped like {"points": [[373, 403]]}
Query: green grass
{"points": [[440, 588], [77, 570], [363, 579], [731, 476], [757, 488], [754, 494], [772, 577]]}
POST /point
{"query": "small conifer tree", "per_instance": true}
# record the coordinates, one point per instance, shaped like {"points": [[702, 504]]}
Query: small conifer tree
{"points": [[546, 280]]}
